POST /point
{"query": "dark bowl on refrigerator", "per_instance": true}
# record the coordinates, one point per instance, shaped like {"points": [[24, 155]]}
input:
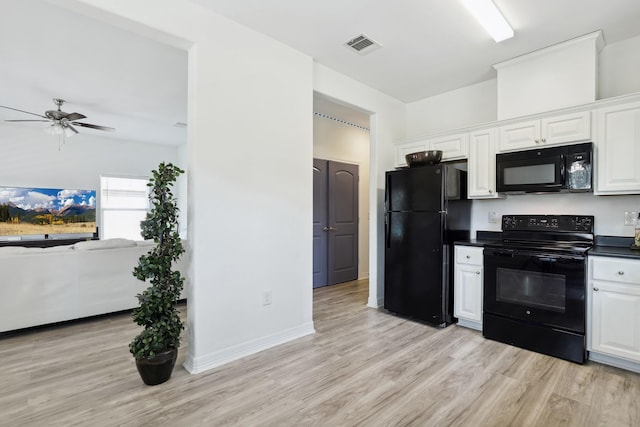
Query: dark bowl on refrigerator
{"points": [[423, 158]]}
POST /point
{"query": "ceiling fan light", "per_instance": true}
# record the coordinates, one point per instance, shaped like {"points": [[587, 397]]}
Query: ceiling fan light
{"points": [[54, 129], [68, 132], [490, 17]]}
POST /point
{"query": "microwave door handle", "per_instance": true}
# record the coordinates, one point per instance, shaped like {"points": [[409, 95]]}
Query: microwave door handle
{"points": [[563, 170]]}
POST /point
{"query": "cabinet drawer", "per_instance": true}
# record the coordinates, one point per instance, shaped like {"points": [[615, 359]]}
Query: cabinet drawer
{"points": [[616, 270], [469, 255]]}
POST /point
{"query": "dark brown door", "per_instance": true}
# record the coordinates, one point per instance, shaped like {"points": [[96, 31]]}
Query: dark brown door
{"points": [[335, 222]]}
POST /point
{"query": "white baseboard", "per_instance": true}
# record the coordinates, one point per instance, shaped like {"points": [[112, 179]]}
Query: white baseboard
{"points": [[213, 360], [470, 324], [375, 302], [363, 276], [615, 361]]}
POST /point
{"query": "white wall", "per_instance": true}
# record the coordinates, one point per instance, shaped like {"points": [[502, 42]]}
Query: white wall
{"points": [[607, 210], [250, 200], [467, 106], [337, 141], [30, 157], [387, 125], [619, 71]]}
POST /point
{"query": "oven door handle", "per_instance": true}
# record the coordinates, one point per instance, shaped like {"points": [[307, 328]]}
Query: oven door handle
{"points": [[542, 256]]}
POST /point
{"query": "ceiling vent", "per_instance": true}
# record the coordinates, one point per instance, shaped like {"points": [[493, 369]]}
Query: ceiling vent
{"points": [[363, 44]]}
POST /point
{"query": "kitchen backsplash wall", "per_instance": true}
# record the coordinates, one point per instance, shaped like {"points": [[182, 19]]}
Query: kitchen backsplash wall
{"points": [[607, 210]]}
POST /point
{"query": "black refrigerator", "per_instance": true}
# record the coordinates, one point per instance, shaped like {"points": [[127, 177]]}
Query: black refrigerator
{"points": [[426, 210]]}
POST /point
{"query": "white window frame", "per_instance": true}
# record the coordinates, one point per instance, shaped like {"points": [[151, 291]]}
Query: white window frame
{"points": [[113, 200]]}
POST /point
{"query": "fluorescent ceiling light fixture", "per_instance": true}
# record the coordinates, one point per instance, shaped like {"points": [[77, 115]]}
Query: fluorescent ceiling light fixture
{"points": [[491, 19]]}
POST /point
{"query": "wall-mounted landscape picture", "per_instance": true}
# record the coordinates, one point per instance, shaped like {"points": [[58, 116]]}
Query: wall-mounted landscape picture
{"points": [[46, 211]]}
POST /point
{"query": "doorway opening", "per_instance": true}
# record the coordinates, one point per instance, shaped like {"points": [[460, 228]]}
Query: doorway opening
{"points": [[341, 151]]}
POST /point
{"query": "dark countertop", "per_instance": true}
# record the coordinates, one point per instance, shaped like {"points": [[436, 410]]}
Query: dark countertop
{"points": [[607, 246], [472, 242], [482, 238], [613, 246]]}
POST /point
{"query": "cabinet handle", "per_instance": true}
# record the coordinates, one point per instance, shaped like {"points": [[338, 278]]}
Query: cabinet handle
{"points": [[468, 256], [544, 140], [477, 272], [490, 191], [620, 273], [596, 289], [537, 141]]}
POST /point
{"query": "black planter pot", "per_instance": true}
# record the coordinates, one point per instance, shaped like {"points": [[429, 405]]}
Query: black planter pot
{"points": [[157, 369]]}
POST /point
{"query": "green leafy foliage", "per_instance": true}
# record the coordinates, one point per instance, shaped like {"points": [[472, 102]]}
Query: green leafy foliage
{"points": [[156, 311]]}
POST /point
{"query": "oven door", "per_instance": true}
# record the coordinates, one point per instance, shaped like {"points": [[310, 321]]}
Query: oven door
{"points": [[540, 287]]}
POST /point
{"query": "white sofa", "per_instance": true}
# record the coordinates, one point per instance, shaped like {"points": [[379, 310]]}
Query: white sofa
{"points": [[55, 284]]}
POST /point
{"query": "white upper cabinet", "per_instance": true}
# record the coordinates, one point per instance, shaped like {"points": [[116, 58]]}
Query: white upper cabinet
{"points": [[404, 148], [482, 165], [518, 136], [453, 147], [618, 149], [555, 130]]}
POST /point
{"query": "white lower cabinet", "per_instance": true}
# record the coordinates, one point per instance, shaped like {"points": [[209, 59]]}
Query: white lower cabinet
{"points": [[467, 286], [614, 311]]}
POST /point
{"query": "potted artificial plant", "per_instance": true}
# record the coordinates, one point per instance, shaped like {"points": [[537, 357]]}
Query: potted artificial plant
{"points": [[156, 347]]}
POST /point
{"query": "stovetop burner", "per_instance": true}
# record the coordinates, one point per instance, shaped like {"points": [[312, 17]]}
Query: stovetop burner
{"points": [[557, 233]]}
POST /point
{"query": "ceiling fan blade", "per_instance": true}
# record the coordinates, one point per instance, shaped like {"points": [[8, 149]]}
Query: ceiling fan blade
{"points": [[75, 116], [22, 111], [72, 128], [88, 125], [26, 120]]}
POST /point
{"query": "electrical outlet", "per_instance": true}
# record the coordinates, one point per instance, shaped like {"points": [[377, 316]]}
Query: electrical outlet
{"points": [[493, 217], [630, 217], [266, 298]]}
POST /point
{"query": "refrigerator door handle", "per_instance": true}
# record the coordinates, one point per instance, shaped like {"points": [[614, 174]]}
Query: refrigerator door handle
{"points": [[443, 212], [387, 229], [386, 193]]}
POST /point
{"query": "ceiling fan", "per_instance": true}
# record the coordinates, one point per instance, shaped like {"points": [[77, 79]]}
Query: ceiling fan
{"points": [[61, 123]]}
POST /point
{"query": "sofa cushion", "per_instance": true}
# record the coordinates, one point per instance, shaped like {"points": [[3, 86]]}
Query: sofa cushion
{"points": [[16, 250], [91, 245]]}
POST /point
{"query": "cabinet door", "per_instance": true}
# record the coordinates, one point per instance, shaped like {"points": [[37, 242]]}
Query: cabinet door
{"points": [[482, 165], [452, 146], [618, 150], [402, 149], [615, 321], [468, 292], [519, 136], [565, 129]]}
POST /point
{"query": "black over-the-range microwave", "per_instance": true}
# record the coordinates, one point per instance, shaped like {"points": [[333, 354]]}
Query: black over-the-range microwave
{"points": [[566, 168]]}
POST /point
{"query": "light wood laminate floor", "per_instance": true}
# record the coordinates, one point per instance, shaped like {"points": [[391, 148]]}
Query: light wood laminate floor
{"points": [[363, 367]]}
